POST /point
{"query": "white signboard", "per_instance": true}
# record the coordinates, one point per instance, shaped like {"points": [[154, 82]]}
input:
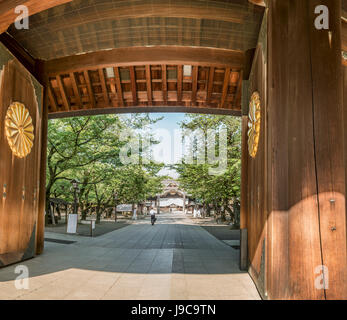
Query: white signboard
{"points": [[72, 223]]}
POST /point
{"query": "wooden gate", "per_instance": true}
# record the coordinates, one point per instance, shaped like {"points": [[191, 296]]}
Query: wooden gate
{"points": [[293, 192], [20, 99]]}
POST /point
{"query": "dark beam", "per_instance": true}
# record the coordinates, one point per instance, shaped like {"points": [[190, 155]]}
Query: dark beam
{"points": [[30, 63], [141, 109], [225, 87], [210, 85], [149, 83], [133, 84], [52, 98], [249, 57], [139, 56], [164, 82], [89, 89], [237, 99], [179, 83], [194, 83], [76, 90], [103, 85], [66, 102], [119, 86]]}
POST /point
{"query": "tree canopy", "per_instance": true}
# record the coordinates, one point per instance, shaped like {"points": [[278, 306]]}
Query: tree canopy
{"points": [[88, 149], [196, 178]]}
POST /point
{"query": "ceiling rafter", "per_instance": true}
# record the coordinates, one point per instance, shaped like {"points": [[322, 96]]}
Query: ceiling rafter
{"points": [[139, 56], [118, 86], [89, 88], [66, 102], [76, 90], [146, 86]]}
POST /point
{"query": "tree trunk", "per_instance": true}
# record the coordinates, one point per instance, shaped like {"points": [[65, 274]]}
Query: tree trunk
{"points": [[98, 213], [208, 210], [84, 211]]}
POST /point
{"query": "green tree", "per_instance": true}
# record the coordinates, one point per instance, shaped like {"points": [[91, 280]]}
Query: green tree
{"points": [[88, 149], [216, 190]]}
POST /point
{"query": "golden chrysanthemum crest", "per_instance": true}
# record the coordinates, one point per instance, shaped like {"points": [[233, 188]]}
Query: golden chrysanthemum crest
{"points": [[254, 120], [19, 129]]}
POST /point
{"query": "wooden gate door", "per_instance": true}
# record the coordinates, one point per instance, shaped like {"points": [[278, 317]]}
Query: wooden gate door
{"points": [[20, 123]]}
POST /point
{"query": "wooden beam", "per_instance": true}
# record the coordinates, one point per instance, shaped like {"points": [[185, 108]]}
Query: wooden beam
{"points": [[7, 9], [66, 102], [133, 84], [179, 83], [76, 90], [210, 85], [40, 224], [52, 98], [225, 87], [149, 83], [139, 56], [194, 83], [164, 82], [139, 109], [103, 85], [30, 63], [237, 99], [119, 86], [89, 88], [249, 57]]}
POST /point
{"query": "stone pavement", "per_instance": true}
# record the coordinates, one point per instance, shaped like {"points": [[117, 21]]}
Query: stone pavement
{"points": [[175, 259]]}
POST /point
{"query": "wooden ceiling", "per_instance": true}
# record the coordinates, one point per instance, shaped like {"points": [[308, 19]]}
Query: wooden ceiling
{"points": [[98, 55], [82, 26], [145, 86]]}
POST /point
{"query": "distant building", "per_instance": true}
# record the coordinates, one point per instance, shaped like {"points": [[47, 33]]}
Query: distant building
{"points": [[173, 197]]}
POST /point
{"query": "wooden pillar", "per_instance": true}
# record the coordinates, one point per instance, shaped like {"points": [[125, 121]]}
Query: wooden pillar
{"points": [[40, 231], [345, 114], [307, 220], [244, 173], [244, 180]]}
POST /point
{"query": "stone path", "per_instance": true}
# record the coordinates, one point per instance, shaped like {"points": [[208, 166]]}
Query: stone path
{"points": [[175, 259]]}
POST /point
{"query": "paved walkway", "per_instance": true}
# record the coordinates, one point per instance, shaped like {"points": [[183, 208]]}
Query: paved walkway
{"points": [[175, 259]]}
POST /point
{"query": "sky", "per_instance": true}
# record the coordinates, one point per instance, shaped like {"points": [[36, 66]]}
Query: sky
{"points": [[170, 122]]}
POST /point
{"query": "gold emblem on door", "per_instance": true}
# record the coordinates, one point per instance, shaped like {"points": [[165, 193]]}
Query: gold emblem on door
{"points": [[19, 129], [254, 118]]}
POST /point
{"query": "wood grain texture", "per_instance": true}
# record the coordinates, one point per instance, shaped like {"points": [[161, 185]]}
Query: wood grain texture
{"points": [[294, 237], [308, 174], [40, 225], [257, 182], [138, 56], [328, 131], [8, 15], [19, 178]]}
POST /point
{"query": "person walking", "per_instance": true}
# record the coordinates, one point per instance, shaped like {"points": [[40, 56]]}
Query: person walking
{"points": [[198, 212], [134, 214], [153, 218]]}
